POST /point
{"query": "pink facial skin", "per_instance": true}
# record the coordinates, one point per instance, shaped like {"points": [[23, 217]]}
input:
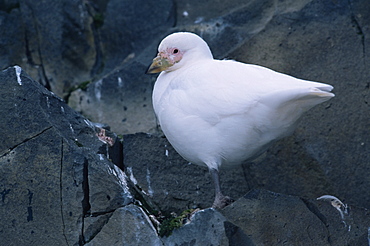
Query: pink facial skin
{"points": [[173, 55]]}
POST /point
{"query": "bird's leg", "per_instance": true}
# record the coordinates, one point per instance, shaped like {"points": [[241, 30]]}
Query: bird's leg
{"points": [[221, 201]]}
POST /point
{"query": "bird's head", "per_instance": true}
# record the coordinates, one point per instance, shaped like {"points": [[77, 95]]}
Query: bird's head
{"points": [[177, 50]]}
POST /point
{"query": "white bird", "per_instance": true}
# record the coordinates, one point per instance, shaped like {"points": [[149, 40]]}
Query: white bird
{"points": [[220, 113]]}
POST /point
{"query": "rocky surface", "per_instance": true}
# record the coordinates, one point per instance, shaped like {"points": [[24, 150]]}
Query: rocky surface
{"points": [[181, 185], [59, 187], [94, 53], [290, 219], [266, 218], [53, 170], [58, 184]]}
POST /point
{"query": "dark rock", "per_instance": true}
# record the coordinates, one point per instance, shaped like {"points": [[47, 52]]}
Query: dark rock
{"points": [[130, 226], [205, 228], [123, 92], [351, 229], [262, 217], [267, 218], [51, 174], [58, 188], [279, 219], [58, 43], [169, 184], [327, 153], [66, 43], [167, 181], [32, 188], [102, 43], [118, 97], [100, 50], [129, 27]]}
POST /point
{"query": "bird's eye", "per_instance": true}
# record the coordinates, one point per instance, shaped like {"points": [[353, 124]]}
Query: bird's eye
{"points": [[175, 51]]}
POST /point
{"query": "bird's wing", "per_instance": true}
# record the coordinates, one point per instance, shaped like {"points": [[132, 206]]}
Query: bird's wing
{"points": [[218, 89]]}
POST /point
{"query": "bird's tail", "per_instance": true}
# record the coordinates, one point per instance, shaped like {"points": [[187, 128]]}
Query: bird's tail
{"points": [[324, 92]]}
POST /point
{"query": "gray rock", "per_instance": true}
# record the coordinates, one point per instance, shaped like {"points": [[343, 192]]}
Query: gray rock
{"points": [[103, 47], [167, 181], [327, 153], [58, 43], [277, 219], [117, 97], [102, 42], [169, 184], [123, 91], [119, 230], [58, 187], [66, 43], [266, 218], [52, 174], [33, 209], [281, 219], [206, 227]]}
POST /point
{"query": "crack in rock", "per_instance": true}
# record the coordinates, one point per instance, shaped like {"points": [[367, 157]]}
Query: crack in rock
{"points": [[86, 206], [359, 32], [359, 28], [313, 209], [96, 227], [3, 194], [61, 190], [25, 141], [29, 208]]}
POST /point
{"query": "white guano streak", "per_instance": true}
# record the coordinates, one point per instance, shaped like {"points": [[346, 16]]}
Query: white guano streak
{"points": [[18, 71]]}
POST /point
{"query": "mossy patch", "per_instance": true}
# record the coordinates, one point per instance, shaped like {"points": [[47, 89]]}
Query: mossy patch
{"points": [[98, 19], [169, 224]]}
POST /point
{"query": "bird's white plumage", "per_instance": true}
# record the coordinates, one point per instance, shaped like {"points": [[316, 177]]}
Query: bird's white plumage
{"points": [[221, 113]]}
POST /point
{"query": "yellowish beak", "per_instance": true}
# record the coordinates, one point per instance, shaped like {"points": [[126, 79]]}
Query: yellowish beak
{"points": [[158, 65]]}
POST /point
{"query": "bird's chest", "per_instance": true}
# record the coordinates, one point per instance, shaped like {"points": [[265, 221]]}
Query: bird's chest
{"points": [[176, 96]]}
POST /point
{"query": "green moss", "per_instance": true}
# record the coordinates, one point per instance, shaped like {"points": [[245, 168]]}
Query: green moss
{"points": [[169, 224], [78, 144], [83, 85], [98, 20]]}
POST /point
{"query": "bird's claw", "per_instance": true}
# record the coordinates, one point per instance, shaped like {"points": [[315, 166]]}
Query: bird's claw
{"points": [[222, 201]]}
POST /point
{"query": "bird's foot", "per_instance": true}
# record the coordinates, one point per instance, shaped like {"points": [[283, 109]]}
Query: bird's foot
{"points": [[222, 201]]}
